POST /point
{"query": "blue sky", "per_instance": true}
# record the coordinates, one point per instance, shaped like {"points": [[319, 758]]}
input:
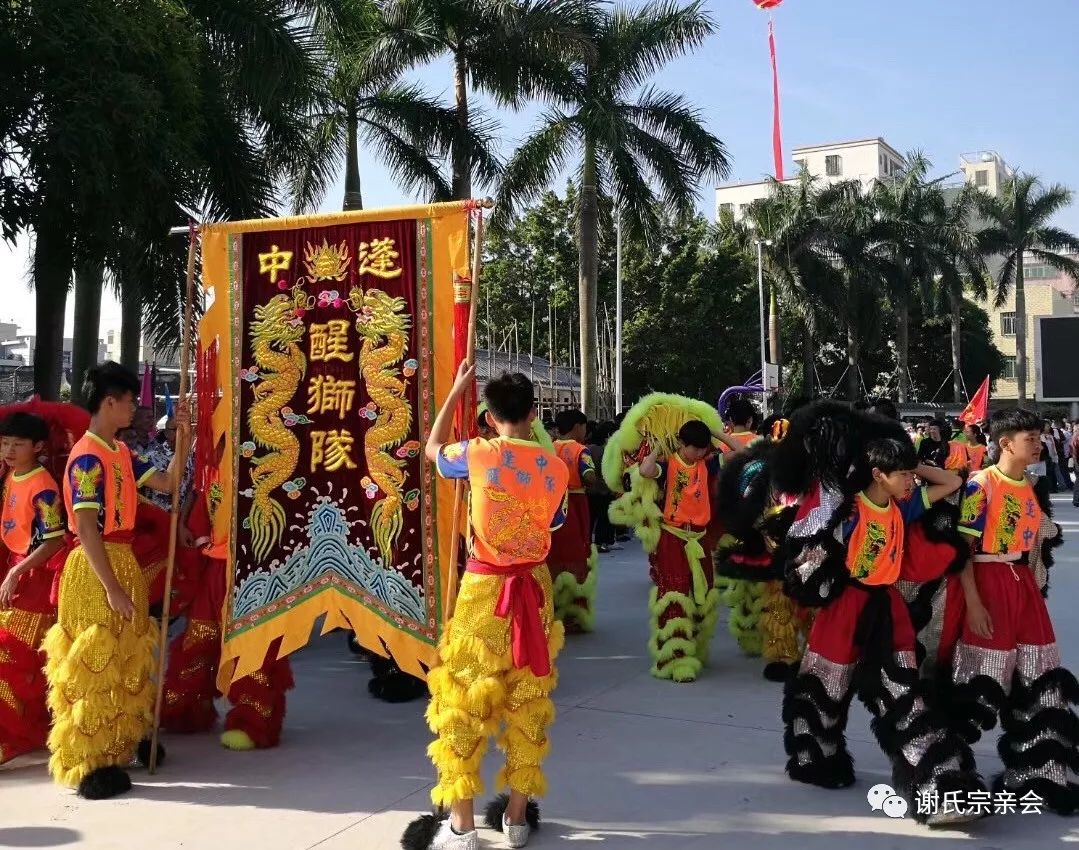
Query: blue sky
{"points": [[945, 76]]}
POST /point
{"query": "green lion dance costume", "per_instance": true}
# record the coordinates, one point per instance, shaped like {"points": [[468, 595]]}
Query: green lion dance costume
{"points": [[672, 516]]}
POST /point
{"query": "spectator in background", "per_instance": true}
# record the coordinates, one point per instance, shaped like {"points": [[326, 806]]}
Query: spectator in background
{"points": [[137, 437], [1074, 445], [1050, 458], [599, 500]]}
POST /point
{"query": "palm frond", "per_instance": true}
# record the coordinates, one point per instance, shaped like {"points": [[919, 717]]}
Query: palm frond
{"points": [[534, 164], [409, 164], [671, 117], [638, 42], [309, 184]]}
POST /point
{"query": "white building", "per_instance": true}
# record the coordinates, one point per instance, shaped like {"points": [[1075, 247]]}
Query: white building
{"points": [[147, 352], [20, 347], [986, 170], [867, 160]]}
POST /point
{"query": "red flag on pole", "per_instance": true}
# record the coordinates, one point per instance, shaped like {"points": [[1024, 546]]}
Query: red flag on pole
{"points": [[777, 137], [978, 409]]}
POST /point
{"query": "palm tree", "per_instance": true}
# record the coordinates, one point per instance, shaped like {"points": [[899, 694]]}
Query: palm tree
{"points": [[509, 49], [625, 134], [1018, 224], [857, 269], [958, 266], [365, 100], [905, 209], [790, 220], [258, 72]]}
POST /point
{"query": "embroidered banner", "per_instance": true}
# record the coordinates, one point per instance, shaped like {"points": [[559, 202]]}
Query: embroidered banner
{"points": [[339, 339]]}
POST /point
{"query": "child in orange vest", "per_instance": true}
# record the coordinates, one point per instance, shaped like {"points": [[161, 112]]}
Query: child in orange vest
{"points": [[101, 658], [32, 531], [1007, 661], [741, 414], [573, 559], [497, 652], [846, 554], [684, 602]]}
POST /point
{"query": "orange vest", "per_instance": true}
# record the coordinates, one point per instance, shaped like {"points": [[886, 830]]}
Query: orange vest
{"points": [[516, 487], [570, 452], [121, 494], [977, 456], [687, 501], [875, 548], [20, 508], [1012, 514], [743, 437], [958, 457]]}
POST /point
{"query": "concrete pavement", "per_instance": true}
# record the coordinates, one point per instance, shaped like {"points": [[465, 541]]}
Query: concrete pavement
{"points": [[635, 762]]}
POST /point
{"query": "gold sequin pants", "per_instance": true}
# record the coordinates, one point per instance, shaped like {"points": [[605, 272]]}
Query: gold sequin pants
{"points": [[24, 719], [100, 669], [476, 693]]}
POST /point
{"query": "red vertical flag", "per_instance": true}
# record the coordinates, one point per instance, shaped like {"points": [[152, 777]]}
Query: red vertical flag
{"points": [[978, 409], [777, 136]]}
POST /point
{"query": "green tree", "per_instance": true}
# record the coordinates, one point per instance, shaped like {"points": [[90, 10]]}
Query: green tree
{"points": [[531, 263], [366, 102], [857, 272], [789, 225], [510, 50], [1019, 223], [625, 134], [958, 267], [691, 312], [905, 208], [931, 334]]}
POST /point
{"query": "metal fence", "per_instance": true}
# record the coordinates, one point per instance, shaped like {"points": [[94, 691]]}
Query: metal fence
{"points": [[15, 384]]}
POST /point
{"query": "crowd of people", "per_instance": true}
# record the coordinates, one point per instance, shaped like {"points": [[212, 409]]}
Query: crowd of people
{"points": [[905, 564]]}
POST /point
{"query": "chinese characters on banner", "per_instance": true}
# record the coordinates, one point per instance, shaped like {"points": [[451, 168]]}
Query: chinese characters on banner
{"points": [[334, 385]]}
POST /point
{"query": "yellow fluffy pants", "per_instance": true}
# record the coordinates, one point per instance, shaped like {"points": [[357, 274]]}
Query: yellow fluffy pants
{"points": [[476, 692], [100, 669]]}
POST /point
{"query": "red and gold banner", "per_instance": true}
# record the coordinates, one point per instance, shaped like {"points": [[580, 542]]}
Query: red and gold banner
{"points": [[336, 346]]}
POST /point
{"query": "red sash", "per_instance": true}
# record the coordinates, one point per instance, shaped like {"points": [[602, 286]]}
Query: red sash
{"points": [[521, 600]]}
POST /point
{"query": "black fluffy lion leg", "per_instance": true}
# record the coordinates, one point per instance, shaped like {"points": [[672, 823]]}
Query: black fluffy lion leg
{"points": [[1041, 731], [815, 704], [931, 766]]}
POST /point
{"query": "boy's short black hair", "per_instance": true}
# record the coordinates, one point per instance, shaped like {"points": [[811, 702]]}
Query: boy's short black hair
{"points": [[106, 380], [885, 407], [741, 411], [567, 420], [509, 398], [890, 455], [696, 434], [25, 426], [1011, 421]]}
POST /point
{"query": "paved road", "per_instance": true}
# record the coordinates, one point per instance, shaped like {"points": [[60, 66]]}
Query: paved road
{"points": [[635, 762]]}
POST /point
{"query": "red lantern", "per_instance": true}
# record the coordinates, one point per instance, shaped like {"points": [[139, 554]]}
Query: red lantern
{"points": [[766, 4]]}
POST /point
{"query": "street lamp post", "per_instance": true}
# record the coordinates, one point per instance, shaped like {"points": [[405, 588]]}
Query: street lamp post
{"points": [[764, 352]]}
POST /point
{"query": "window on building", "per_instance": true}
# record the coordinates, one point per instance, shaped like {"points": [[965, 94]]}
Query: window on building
{"points": [[833, 165], [1009, 368], [1007, 324], [726, 210], [981, 177], [802, 164], [1039, 271]]}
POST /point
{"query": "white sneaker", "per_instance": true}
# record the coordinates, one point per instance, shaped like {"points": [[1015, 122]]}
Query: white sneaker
{"points": [[447, 839], [516, 834]]}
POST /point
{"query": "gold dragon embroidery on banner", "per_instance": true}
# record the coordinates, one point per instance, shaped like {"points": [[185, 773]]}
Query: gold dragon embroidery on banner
{"points": [[383, 326], [275, 344]]}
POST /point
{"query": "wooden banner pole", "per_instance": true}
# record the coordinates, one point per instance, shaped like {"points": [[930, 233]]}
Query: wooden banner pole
{"points": [[174, 519], [450, 596]]}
